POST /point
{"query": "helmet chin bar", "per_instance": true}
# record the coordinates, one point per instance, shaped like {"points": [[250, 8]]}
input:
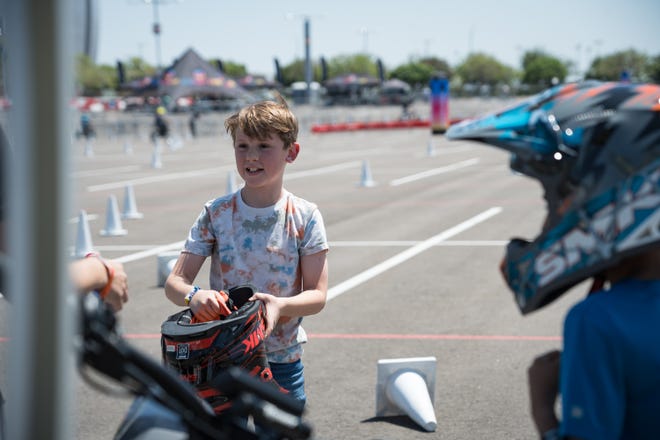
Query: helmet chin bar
{"points": [[589, 238]]}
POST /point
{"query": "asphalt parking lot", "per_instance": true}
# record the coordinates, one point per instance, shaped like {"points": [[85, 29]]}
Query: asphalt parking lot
{"points": [[413, 266]]}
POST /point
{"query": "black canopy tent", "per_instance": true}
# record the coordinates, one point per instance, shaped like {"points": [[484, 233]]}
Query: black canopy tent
{"points": [[395, 91], [188, 76], [253, 82], [351, 88]]}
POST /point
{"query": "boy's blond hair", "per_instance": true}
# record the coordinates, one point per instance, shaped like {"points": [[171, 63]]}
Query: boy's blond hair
{"points": [[261, 119]]}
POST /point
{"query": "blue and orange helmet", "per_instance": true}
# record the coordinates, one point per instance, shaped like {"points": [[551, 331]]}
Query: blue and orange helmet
{"points": [[595, 149]]}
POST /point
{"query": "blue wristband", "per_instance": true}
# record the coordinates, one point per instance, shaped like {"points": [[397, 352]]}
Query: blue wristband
{"points": [[189, 297]]}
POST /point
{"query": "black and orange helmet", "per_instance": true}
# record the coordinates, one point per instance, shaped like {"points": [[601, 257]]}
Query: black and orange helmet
{"points": [[199, 351]]}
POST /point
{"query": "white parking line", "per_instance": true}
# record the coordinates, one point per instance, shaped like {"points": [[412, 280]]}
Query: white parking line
{"points": [[90, 217], [417, 247], [435, 171], [332, 244], [150, 252], [447, 150], [195, 173], [322, 170], [104, 171], [376, 270], [159, 178], [408, 243]]}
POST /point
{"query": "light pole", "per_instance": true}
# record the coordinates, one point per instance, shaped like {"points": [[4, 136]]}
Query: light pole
{"points": [[308, 57], [308, 61], [364, 31], [156, 30]]}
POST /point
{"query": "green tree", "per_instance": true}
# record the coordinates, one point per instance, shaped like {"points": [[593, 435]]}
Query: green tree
{"points": [[231, 68], [480, 68], [360, 64], [438, 65], [109, 75], [654, 69], [137, 68], [610, 67], [293, 72], [91, 80], [414, 73], [542, 70]]}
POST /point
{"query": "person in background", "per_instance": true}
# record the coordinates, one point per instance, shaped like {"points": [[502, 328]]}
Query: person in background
{"points": [[261, 235], [86, 127], [161, 126], [595, 148], [192, 122]]}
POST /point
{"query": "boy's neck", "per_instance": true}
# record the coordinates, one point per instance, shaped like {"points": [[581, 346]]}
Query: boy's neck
{"points": [[260, 198]]}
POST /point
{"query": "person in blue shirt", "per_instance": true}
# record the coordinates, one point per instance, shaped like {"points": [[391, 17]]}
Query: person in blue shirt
{"points": [[595, 149]]}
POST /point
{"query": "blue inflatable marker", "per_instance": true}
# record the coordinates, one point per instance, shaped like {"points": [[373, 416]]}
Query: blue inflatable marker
{"points": [[439, 86]]}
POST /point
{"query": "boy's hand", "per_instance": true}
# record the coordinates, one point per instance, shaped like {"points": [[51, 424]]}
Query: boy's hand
{"points": [[273, 305], [209, 305], [543, 376]]}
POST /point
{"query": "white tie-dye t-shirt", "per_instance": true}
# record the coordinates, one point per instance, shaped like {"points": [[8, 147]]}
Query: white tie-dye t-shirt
{"points": [[261, 247]]}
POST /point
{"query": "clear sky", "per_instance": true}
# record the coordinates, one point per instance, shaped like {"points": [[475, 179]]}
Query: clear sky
{"points": [[254, 32]]}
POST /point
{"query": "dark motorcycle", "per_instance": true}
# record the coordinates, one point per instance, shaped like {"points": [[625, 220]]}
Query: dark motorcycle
{"points": [[166, 407]]}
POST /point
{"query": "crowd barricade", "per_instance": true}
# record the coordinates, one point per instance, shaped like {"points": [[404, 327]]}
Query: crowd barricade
{"points": [[373, 125]]}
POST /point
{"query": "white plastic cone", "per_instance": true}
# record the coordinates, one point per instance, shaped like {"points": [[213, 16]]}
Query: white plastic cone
{"points": [[112, 221], [407, 390], [174, 143], [231, 182], [83, 237], [130, 207], [406, 387], [430, 149], [89, 151], [128, 148], [165, 264], [365, 179], [155, 157]]}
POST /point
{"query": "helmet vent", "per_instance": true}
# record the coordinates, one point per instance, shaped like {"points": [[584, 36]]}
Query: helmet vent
{"points": [[595, 114]]}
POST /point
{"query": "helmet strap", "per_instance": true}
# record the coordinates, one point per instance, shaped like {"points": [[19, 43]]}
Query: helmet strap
{"points": [[597, 284]]}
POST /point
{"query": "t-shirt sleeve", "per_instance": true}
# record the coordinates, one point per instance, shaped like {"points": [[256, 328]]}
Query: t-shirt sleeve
{"points": [[592, 388], [314, 239], [201, 237]]}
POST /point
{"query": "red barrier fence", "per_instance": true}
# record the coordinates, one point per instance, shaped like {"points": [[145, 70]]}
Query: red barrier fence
{"points": [[373, 125]]}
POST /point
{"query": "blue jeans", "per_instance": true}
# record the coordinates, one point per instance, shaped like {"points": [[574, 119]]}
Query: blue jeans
{"points": [[288, 376], [291, 378]]}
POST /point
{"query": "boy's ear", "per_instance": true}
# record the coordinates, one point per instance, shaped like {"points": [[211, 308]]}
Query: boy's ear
{"points": [[294, 149]]}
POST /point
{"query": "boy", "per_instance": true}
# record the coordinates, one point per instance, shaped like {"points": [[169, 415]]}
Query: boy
{"points": [[595, 148], [261, 235]]}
